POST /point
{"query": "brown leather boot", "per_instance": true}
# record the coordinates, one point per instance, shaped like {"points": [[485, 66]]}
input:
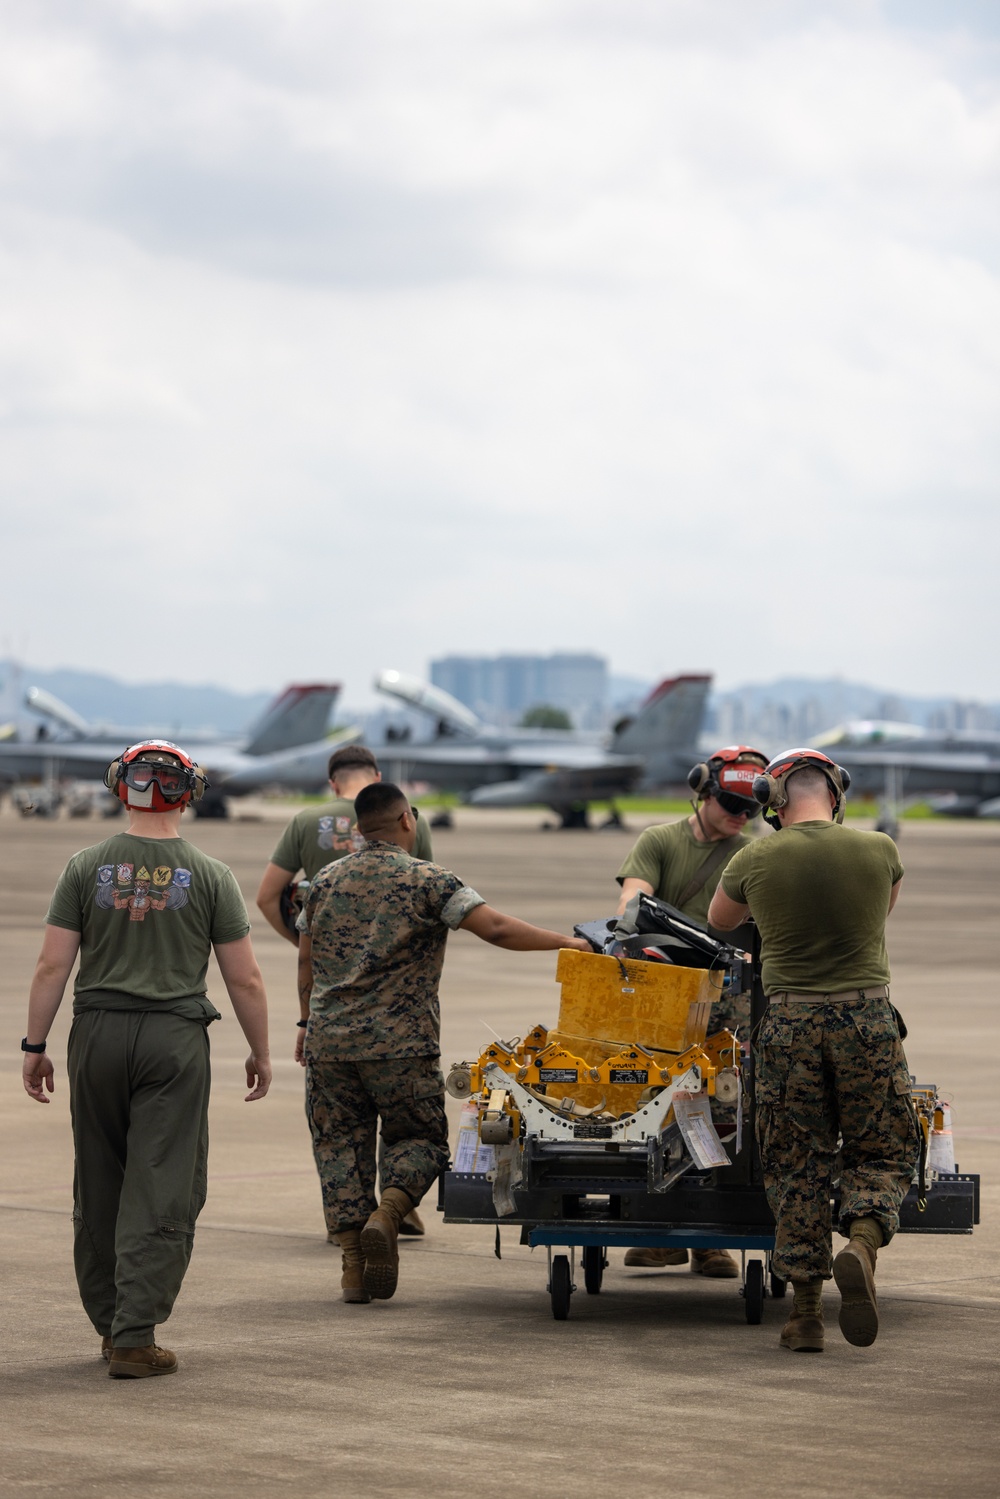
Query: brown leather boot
{"points": [[140, 1363], [412, 1226], [106, 1349], [854, 1272], [352, 1261], [655, 1259], [717, 1264], [378, 1243], [803, 1332]]}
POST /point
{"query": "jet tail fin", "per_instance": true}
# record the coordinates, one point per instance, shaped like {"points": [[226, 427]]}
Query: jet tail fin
{"points": [[299, 715], [666, 729]]}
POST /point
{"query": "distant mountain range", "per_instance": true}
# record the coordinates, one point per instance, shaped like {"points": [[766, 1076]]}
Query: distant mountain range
{"points": [[775, 713]]}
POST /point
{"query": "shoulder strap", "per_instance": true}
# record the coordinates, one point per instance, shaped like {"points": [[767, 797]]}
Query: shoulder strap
{"points": [[707, 867]]}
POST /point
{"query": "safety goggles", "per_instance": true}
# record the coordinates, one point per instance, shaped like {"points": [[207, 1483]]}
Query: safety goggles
{"points": [[737, 805], [173, 780]]}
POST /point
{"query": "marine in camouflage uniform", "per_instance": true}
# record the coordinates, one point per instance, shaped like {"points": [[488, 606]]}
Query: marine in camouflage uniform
{"points": [[377, 924], [830, 1067], [372, 940]]}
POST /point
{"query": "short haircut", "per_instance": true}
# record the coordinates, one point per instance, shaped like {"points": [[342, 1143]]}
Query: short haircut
{"points": [[351, 757], [377, 805], [809, 781]]}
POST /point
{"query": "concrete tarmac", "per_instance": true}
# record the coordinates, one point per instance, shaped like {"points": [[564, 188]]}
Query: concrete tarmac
{"points": [[464, 1381]]}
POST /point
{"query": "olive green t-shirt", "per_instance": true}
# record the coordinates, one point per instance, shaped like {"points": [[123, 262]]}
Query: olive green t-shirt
{"points": [[148, 911], [668, 858], [319, 835], [819, 892]]}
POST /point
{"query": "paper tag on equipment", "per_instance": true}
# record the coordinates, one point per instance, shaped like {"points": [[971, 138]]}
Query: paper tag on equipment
{"points": [[693, 1112]]}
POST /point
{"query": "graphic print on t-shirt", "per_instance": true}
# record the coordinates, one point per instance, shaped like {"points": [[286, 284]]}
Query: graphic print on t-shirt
{"points": [[337, 833], [122, 887]]}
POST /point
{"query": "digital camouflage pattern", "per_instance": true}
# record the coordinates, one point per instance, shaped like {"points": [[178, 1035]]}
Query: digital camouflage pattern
{"points": [[344, 1102], [824, 1071], [378, 922]]}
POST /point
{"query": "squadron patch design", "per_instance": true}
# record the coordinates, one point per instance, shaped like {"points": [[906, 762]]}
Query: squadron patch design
{"points": [[338, 834], [122, 887]]}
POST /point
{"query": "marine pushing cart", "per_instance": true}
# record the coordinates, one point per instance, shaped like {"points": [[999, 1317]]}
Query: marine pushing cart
{"points": [[587, 1142]]}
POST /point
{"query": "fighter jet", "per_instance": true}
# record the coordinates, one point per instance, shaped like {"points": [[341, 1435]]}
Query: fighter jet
{"points": [[958, 773], [561, 769], [287, 746]]}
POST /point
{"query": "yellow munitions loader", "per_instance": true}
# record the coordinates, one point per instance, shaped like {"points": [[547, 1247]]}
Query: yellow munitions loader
{"points": [[630, 1124]]}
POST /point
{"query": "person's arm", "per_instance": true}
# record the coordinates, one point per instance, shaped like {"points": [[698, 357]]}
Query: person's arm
{"points": [[507, 931], [305, 994], [630, 887], [55, 964], [894, 893], [245, 987], [725, 913], [269, 899]]}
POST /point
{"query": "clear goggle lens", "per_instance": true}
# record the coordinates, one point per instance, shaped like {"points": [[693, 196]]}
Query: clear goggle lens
{"points": [[173, 780]]}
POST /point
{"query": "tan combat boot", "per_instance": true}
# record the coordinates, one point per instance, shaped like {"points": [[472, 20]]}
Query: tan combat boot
{"points": [[717, 1264], [412, 1226], [854, 1272], [352, 1261], [140, 1363], [655, 1259], [803, 1332], [106, 1349], [378, 1243]]}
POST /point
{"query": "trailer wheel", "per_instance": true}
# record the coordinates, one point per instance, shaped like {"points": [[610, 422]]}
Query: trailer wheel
{"points": [[754, 1291], [593, 1267], [560, 1287], [779, 1286]]}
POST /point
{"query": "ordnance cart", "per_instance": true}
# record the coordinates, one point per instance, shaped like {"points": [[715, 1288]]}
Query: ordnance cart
{"points": [[586, 1138]]}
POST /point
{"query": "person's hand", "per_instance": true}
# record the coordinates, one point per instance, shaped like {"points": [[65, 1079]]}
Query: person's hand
{"points": [[300, 1046], [37, 1074], [258, 1076], [579, 944]]}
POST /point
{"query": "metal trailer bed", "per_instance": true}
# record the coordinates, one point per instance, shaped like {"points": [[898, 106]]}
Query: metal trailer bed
{"points": [[593, 1197]]}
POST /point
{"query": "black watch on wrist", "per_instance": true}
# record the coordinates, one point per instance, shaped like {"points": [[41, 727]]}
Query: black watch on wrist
{"points": [[301, 1024], [27, 1046]]}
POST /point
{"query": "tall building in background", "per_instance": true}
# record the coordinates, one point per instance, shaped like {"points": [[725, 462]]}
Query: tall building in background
{"points": [[502, 688]]}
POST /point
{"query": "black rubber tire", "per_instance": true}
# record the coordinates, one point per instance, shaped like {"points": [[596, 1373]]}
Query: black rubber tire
{"points": [[754, 1291], [593, 1267], [779, 1286], [561, 1287]]}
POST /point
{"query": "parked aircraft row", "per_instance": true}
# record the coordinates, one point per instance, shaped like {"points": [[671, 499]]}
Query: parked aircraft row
{"points": [[289, 745]]}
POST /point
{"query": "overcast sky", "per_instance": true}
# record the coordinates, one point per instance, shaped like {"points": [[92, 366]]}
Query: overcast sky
{"points": [[336, 336]]}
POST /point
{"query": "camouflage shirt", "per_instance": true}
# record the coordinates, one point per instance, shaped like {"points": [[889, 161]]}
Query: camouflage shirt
{"points": [[378, 921]]}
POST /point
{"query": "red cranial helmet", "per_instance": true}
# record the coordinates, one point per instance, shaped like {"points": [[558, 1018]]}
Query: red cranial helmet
{"points": [[155, 776], [728, 775], [770, 788]]}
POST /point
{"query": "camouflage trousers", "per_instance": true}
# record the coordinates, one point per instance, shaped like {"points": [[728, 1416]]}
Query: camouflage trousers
{"points": [[730, 1012], [345, 1102], [829, 1074]]}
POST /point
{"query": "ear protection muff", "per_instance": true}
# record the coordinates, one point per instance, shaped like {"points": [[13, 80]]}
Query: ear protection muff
{"points": [[113, 775], [699, 777], [769, 788]]}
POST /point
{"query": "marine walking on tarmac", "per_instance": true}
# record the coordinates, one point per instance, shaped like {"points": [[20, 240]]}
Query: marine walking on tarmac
{"points": [[143, 910], [830, 1065], [372, 940], [681, 863], [318, 836]]}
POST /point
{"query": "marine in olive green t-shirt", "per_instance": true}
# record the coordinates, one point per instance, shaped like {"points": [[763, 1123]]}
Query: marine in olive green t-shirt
{"points": [[149, 911], [317, 836], [819, 893], [668, 858]]}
